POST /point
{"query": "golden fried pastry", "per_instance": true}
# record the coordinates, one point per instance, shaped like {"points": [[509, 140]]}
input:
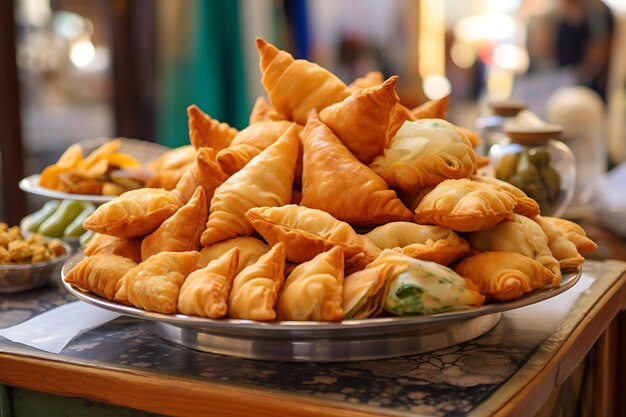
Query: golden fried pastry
{"points": [[425, 152], [134, 213], [361, 121], [429, 243], [169, 178], [336, 182], [249, 143], [99, 274], [174, 159], [400, 115], [250, 250], [465, 206], [255, 289], [422, 287], [205, 172], [525, 205], [294, 87], [574, 233], [563, 249], [205, 291], [262, 111], [305, 232], [181, 232], [364, 291], [266, 180], [126, 247], [472, 136], [204, 131], [313, 291], [432, 109], [155, 283], [521, 235], [504, 276], [371, 79]]}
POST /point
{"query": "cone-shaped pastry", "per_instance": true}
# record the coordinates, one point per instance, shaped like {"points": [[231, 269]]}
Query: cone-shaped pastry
{"points": [[250, 250], [134, 213], [255, 289], [182, 231], [314, 289], [205, 291], [525, 205], [155, 283], [521, 235], [429, 243], [503, 276], [432, 109], [305, 232], [574, 233], [336, 182], [266, 180], [421, 287], [563, 249], [371, 79], [126, 247], [99, 273], [424, 153], [472, 136], [205, 172], [465, 206], [294, 87], [262, 111], [249, 143], [204, 131], [361, 121], [364, 291]]}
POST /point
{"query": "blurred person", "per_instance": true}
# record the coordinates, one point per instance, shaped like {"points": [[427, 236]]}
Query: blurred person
{"points": [[583, 41]]}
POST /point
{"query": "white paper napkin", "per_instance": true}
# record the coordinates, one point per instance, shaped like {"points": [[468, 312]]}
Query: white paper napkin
{"points": [[53, 330]]}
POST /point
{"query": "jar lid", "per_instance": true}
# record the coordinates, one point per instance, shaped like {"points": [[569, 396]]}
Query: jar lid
{"points": [[532, 133], [507, 108]]}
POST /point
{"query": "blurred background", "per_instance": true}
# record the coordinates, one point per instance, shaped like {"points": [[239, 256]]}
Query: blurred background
{"points": [[73, 70]]}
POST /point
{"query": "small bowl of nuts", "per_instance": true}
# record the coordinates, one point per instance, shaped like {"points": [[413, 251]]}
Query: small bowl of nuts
{"points": [[27, 262]]}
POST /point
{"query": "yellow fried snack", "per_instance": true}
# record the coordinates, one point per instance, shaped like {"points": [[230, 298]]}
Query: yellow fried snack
{"points": [[361, 121], [429, 243], [371, 79], [504, 276], [262, 111], [424, 153], [100, 274], [249, 143], [134, 213], [266, 180], [295, 86], [250, 250], [525, 205], [313, 290], [336, 182], [105, 244], [465, 206], [563, 249], [181, 232], [364, 291], [574, 232], [155, 283], [205, 291], [255, 289], [205, 172], [204, 131], [432, 109]]}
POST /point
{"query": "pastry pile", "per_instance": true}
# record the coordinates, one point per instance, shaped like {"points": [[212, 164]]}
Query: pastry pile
{"points": [[336, 202]]}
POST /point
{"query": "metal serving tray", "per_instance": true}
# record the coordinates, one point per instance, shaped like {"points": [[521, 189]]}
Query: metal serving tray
{"points": [[348, 340]]}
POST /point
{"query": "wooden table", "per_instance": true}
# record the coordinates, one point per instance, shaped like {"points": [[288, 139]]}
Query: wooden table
{"points": [[514, 370]]}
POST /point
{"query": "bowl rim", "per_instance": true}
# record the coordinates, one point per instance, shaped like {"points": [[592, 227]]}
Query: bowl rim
{"points": [[32, 265]]}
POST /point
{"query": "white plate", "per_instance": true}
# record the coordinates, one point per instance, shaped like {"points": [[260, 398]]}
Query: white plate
{"points": [[31, 185]]}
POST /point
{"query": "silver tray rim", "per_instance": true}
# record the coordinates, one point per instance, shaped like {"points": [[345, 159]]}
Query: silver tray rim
{"points": [[315, 329]]}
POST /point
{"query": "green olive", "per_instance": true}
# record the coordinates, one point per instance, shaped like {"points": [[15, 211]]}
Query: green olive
{"points": [[552, 180], [539, 158], [536, 190], [506, 166], [517, 181], [526, 169]]}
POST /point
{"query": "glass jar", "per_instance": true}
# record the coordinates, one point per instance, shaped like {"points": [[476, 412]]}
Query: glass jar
{"points": [[498, 112], [535, 161]]}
